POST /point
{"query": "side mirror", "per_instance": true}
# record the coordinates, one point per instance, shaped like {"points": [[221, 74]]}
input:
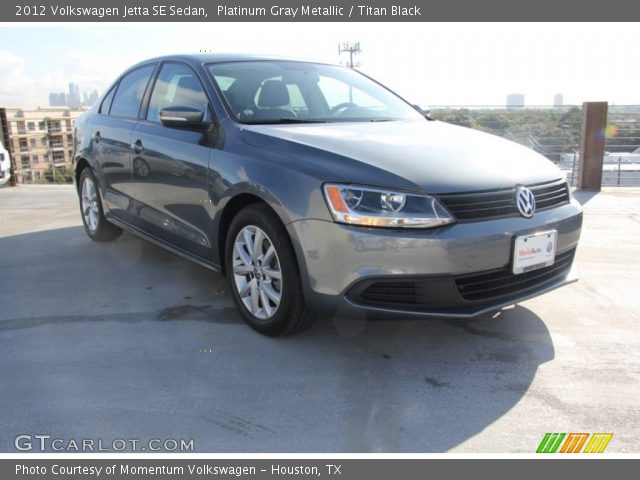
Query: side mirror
{"points": [[183, 117]]}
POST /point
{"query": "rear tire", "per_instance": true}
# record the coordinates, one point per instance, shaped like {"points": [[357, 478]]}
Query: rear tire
{"points": [[263, 277], [95, 224]]}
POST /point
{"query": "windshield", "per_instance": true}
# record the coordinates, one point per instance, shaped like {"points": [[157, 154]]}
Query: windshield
{"points": [[300, 92]]}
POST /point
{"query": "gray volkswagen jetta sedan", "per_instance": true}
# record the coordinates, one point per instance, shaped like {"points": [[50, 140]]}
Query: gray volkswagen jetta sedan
{"points": [[314, 188]]}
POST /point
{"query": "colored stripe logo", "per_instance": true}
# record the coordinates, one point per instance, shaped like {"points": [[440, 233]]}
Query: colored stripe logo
{"points": [[574, 442]]}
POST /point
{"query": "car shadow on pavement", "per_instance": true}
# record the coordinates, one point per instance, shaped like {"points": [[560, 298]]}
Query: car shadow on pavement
{"points": [[125, 340], [428, 385], [584, 196]]}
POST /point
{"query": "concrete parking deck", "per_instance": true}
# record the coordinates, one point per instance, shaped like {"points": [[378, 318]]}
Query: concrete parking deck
{"points": [[124, 340]]}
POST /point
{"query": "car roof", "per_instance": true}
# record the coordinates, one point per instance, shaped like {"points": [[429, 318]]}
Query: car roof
{"points": [[203, 58]]}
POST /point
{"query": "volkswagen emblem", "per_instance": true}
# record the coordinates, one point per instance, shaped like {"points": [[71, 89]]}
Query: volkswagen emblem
{"points": [[526, 202]]}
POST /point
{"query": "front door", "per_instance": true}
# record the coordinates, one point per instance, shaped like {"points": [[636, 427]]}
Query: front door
{"points": [[170, 166]]}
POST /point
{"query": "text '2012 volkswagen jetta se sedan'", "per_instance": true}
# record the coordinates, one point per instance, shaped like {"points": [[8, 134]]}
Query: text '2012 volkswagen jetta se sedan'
{"points": [[313, 187]]}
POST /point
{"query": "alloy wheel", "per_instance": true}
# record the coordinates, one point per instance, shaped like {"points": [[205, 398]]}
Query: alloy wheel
{"points": [[257, 272], [90, 210]]}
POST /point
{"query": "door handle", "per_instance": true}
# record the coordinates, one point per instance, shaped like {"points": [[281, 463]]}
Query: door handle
{"points": [[137, 146], [96, 137]]}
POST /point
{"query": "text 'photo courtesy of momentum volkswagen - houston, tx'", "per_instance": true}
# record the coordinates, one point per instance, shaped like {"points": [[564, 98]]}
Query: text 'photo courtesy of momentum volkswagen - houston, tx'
{"points": [[314, 188]]}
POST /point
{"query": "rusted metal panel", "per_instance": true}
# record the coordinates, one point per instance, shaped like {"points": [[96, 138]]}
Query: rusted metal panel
{"points": [[594, 122]]}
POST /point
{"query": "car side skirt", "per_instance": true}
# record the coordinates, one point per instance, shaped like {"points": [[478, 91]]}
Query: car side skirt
{"points": [[162, 244]]}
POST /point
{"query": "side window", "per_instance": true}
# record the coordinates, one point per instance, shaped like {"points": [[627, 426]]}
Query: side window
{"points": [[128, 97], [334, 91], [296, 99], [106, 103], [224, 82], [337, 92], [177, 84], [298, 104], [257, 95]]}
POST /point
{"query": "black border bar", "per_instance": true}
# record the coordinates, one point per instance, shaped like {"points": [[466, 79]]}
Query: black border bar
{"points": [[316, 10], [341, 469]]}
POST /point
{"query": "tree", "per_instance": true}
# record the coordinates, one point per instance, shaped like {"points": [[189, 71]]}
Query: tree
{"points": [[63, 175], [549, 131]]}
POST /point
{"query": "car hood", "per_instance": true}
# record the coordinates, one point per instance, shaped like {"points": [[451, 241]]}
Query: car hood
{"points": [[435, 156]]}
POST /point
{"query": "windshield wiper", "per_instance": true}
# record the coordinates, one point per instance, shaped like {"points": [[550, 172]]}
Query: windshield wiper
{"points": [[280, 121]]}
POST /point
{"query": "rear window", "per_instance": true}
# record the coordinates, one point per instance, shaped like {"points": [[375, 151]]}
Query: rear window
{"points": [[106, 103], [128, 97]]}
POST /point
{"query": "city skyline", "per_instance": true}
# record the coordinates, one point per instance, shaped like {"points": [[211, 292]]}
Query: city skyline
{"points": [[428, 64], [72, 98]]}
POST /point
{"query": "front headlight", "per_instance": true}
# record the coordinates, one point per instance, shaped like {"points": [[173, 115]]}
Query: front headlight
{"points": [[374, 207]]}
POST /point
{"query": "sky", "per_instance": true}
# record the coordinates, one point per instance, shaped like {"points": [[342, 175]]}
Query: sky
{"points": [[429, 64]]}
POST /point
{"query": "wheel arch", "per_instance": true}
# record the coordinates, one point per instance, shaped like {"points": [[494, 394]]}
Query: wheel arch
{"points": [[231, 209], [81, 164]]}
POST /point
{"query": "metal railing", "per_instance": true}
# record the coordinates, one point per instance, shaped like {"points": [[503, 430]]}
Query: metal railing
{"points": [[614, 174]]}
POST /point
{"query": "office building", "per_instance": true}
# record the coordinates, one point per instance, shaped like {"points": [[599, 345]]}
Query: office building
{"points": [[515, 100], [558, 100]]}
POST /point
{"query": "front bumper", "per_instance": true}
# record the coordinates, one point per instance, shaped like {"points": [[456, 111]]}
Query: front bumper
{"points": [[422, 272]]}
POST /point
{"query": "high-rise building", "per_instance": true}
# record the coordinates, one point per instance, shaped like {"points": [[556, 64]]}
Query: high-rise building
{"points": [[57, 99], [558, 100], [515, 100], [93, 98], [73, 98]]}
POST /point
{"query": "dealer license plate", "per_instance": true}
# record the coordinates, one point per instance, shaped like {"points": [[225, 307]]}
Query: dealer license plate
{"points": [[534, 251]]}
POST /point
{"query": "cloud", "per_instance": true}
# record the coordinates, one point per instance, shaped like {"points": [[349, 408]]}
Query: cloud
{"points": [[23, 85], [75, 67], [15, 86], [430, 64]]}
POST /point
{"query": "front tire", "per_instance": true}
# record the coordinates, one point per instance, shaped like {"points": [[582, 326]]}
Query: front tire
{"points": [[263, 275], [95, 224]]}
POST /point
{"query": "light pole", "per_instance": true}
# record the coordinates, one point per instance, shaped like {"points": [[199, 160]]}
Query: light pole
{"points": [[49, 153], [53, 166], [352, 48]]}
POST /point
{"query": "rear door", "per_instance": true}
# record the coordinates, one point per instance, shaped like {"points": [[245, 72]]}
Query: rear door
{"points": [[170, 165], [111, 133]]}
